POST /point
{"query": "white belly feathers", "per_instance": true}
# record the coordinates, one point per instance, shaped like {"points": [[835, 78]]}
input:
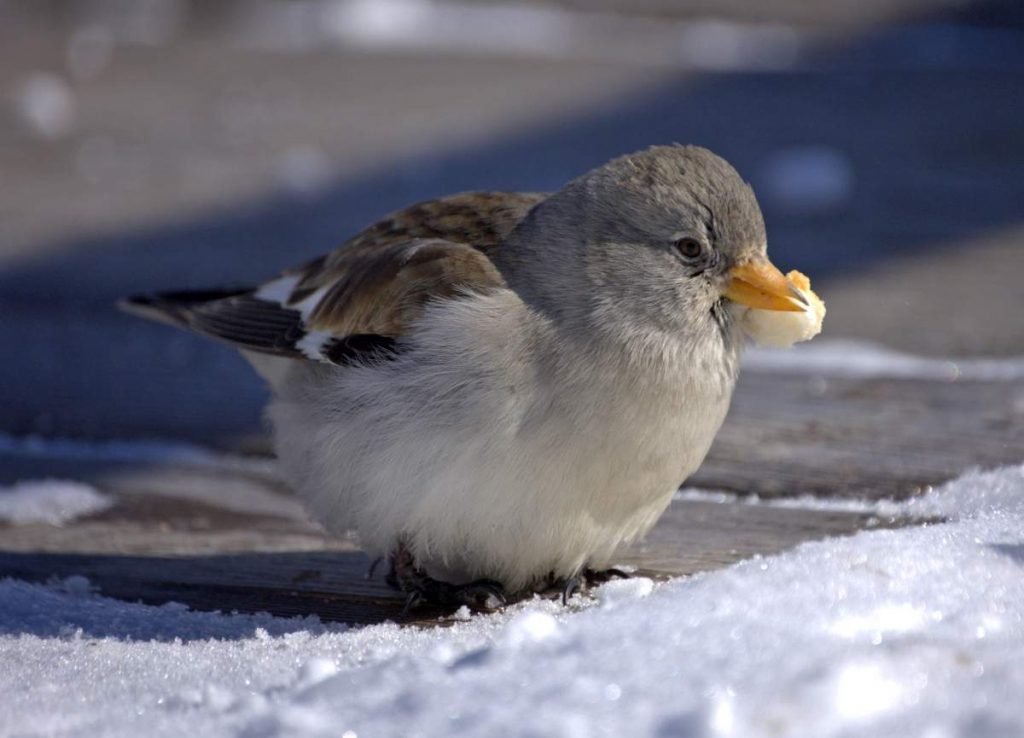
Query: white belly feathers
{"points": [[506, 474]]}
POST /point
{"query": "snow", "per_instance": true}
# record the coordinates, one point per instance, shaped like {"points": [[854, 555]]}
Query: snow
{"points": [[912, 632], [618, 591], [884, 508], [849, 358], [50, 501], [45, 104]]}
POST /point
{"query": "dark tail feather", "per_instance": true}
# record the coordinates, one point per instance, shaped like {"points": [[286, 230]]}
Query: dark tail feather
{"points": [[239, 318], [234, 316], [174, 308]]}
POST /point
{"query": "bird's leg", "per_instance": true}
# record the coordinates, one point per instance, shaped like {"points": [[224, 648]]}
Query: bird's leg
{"points": [[588, 578], [481, 595]]}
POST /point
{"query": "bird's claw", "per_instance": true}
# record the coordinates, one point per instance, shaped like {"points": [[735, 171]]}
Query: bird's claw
{"points": [[482, 595]]}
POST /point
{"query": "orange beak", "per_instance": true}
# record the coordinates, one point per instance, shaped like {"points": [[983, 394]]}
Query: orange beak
{"points": [[758, 284]]}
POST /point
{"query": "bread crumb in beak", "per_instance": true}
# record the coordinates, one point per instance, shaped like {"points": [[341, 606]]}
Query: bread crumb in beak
{"points": [[778, 329]]}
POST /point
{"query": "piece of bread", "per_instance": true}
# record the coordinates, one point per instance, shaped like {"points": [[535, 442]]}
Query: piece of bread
{"points": [[780, 329]]}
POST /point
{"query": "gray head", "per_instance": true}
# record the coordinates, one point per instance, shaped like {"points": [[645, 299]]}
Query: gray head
{"points": [[650, 242]]}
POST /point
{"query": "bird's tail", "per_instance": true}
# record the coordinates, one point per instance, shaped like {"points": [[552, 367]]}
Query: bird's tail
{"points": [[196, 311], [175, 308], [247, 321], [235, 316]]}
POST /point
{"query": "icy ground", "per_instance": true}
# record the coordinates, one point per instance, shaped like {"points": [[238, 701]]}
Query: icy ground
{"points": [[49, 501], [913, 632]]}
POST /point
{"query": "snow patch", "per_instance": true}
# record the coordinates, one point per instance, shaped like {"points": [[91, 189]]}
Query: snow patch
{"points": [[848, 358], [882, 508], [46, 106], [528, 627], [50, 501], [998, 493], [618, 591], [975, 493], [915, 631]]}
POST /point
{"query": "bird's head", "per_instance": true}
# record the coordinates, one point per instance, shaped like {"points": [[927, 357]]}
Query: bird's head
{"points": [[658, 240]]}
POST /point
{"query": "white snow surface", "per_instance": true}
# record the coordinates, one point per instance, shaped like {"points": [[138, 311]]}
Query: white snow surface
{"points": [[910, 632], [45, 104], [886, 508], [50, 501], [850, 358]]}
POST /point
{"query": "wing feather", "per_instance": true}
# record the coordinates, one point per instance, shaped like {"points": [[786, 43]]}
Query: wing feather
{"points": [[358, 300]]}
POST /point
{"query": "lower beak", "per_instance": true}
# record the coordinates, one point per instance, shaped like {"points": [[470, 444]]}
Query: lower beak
{"points": [[758, 284]]}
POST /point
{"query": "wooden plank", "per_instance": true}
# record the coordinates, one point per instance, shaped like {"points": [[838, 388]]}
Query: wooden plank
{"points": [[327, 578], [693, 536], [331, 585], [870, 438], [806, 433], [232, 537], [791, 434], [157, 550]]}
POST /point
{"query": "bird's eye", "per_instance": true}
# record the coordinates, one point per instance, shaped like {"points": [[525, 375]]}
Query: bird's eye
{"points": [[689, 248]]}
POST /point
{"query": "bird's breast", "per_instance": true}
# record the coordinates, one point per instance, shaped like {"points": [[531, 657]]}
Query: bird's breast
{"points": [[629, 436]]}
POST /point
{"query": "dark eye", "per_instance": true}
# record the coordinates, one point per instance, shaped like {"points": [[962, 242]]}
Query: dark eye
{"points": [[689, 248]]}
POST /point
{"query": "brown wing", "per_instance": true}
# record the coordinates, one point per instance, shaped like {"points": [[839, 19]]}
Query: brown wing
{"points": [[482, 220], [365, 294], [381, 290]]}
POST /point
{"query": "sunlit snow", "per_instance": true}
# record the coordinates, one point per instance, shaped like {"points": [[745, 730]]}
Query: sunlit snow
{"points": [[51, 501], [911, 632]]}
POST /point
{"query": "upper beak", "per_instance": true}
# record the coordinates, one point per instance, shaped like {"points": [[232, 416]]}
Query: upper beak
{"points": [[758, 284]]}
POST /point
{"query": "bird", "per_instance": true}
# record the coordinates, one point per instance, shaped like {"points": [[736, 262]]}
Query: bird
{"points": [[499, 391]]}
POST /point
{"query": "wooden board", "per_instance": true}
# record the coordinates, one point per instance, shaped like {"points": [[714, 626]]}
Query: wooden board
{"points": [[870, 438], [231, 537], [288, 568]]}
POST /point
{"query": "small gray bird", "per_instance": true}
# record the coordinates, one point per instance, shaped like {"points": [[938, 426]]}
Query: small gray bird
{"points": [[497, 391]]}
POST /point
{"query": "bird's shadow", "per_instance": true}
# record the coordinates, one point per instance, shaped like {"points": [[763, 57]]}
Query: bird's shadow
{"points": [[1014, 551], [195, 597]]}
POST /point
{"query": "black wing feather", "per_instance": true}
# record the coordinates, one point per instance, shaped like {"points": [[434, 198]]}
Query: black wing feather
{"points": [[245, 321]]}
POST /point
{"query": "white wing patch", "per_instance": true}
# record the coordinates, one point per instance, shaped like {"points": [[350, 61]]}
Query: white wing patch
{"points": [[281, 290], [312, 344], [307, 306]]}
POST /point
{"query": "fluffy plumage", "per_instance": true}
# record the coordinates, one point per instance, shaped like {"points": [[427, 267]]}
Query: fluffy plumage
{"points": [[509, 386]]}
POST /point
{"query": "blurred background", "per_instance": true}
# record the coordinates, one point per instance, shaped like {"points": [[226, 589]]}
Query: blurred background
{"points": [[156, 144]]}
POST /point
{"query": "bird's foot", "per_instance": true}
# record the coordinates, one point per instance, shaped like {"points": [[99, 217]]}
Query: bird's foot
{"points": [[481, 595], [589, 578]]}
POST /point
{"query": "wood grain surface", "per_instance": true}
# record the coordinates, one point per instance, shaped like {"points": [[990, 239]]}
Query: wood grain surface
{"points": [[229, 536]]}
